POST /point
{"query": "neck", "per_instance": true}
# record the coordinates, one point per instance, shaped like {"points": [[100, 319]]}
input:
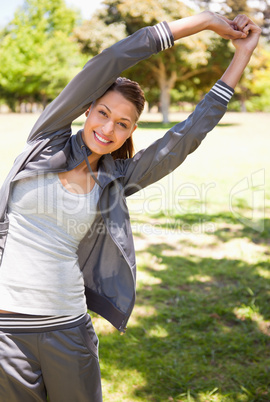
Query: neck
{"points": [[93, 160]]}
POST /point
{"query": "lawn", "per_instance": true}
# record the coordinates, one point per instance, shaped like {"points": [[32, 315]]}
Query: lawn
{"points": [[200, 330]]}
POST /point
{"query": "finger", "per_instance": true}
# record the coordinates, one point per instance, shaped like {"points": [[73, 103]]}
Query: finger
{"points": [[232, 25], [240, 17], [252, 28], [225, 19], [246, 29], [235, 34], [241, 21]]}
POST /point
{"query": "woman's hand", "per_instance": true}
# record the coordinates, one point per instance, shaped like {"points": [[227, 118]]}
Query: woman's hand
{"points": [[244, 49], [252, 31], [224, 27]]}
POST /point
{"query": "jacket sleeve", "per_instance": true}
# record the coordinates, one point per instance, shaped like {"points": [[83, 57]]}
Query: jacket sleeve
{"points": [[97, 76], [166, 154]]}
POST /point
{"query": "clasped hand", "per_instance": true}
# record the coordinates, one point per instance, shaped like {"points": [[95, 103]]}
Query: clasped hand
{"points": [[243, 32], [252, 31]]}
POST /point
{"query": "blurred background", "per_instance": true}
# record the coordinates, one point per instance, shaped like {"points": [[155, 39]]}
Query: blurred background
{"points": [[44, 43]]}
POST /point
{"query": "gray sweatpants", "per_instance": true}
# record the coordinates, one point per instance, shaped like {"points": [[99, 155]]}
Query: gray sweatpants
{"points": [[60, 363]]}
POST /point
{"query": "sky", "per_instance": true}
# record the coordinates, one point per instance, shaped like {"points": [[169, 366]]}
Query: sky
{"points": [[87, 7]]}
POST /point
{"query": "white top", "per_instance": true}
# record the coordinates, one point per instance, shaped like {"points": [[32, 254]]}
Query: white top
{"points": [[40, 273]]}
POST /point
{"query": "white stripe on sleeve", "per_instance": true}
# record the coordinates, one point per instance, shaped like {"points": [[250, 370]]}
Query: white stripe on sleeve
{"points": [[161, 42], [218, 94]]}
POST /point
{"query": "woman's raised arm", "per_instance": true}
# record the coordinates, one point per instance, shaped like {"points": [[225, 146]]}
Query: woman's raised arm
{"points": [[167, 153], [205, 21], [101, 71], [243, 49], [96, 77]]}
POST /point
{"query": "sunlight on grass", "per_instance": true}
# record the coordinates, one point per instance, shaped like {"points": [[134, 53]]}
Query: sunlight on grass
{"points": [[251, 312], [158, 332], [101, 326], [121, 385], [144, 277], [139, 313], [245, 312], [152, 260], [142, 311], [212, 396], [200, 278], [242, 248], [264, 273]]}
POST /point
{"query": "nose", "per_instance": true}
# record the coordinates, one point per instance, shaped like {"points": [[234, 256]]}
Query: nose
{"points": [[108, 128]]}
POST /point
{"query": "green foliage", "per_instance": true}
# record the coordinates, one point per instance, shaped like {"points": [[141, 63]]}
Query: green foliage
{"points": [[233, 8], [94, 36], [185, 72], [44, 46], [253, 91], [164, 71], [142, 13], [38, 55], [258, 83]]}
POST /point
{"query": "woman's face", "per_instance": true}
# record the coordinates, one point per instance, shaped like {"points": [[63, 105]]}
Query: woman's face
{"points": [[109, 123]]}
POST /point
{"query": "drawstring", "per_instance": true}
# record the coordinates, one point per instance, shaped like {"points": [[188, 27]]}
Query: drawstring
{"points": [[88, 165]]}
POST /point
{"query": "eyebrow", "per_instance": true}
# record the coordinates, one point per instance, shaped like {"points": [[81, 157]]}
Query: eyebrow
{"points": [[121, 118]]}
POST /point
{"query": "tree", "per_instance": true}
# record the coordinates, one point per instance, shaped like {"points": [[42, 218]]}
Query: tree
{"points": [[37, 52], [164, 71], [266, 19], [257, 81], [233, 8], [222, 50], [182, 73], [250, 85], [262, 10]]}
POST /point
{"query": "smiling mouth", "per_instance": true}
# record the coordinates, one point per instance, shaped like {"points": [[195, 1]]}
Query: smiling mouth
{"points": [[100, 139]]}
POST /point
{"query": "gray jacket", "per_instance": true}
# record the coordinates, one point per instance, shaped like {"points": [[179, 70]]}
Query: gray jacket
{"points": [[106, 254]]}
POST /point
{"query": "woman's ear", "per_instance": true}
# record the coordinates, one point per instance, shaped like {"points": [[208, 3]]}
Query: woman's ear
{"points": [[87, 111], [132, 131]]}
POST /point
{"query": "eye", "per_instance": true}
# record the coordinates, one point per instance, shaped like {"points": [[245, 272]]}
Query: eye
{"points": [[123, 125], [103, 113]]}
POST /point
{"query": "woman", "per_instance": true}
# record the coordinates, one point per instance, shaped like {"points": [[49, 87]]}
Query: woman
{"points": [[65, 236]]}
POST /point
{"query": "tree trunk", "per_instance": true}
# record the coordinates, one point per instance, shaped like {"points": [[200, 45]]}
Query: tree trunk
{"points": [[164, 99], [44, 101], [165, 85], [243, 104]]}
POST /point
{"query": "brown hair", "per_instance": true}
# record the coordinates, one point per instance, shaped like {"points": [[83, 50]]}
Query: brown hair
{"points": [[131, 91]]}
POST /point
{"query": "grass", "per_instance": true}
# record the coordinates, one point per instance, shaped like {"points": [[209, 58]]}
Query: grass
{"points": [[200, 330], [201, 326]]}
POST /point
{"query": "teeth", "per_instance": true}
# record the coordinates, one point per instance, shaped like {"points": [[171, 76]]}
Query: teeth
{"points": [[101, 139]]}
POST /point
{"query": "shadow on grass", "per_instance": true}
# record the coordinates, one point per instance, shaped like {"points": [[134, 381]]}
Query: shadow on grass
{"points": [[201, 327], [258, 231], [203, 335], [159, 125]]}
